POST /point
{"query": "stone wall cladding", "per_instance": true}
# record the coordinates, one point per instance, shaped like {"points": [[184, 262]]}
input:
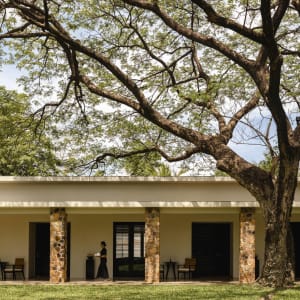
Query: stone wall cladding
{"points": [[247, 245], [58, 245], [152, 245]]}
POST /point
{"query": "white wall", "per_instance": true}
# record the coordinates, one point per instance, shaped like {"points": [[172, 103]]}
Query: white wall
{"points": [[14, 235]]}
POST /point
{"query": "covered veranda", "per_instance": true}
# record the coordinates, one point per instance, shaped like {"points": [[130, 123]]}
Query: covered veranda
{"points": [[179, 217]]}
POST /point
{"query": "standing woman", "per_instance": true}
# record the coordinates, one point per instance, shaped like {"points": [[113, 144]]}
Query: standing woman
{"points": [[102, 270]]}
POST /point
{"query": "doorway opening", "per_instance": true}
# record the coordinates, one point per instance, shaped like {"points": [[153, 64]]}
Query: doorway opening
{"points": [[211, 246], [296, 234], [129, 250], [39, 250]]}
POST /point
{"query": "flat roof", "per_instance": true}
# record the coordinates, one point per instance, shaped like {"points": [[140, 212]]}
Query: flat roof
{"points": [[206, 179], [126, 191]]}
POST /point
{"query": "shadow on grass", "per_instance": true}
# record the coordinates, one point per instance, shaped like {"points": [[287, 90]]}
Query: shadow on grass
{"points": [[292, 293]]}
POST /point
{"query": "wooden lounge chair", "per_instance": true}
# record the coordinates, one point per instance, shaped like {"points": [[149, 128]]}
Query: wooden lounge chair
{"points": [[188, 268], [17, 267]]}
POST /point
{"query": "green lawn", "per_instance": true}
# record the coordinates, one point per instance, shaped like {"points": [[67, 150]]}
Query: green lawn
{"points": [[143, 291]]}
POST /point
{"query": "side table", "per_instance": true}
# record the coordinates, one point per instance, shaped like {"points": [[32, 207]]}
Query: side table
{"points": [[171, 265]]}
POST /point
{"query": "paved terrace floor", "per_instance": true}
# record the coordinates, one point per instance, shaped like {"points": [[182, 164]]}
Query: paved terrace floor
{"points": [[116, 282]]}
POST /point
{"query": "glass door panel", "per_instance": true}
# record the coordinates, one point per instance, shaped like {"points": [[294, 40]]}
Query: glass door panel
{"points": [[138, 250], [122, 249], [129, 261]]}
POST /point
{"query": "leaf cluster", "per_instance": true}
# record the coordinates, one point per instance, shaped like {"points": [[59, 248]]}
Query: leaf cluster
{"points": [[24, 151]]}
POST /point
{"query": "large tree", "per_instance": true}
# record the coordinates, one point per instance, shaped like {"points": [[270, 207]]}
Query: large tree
{"points": [[24, 150], [177, 78]]}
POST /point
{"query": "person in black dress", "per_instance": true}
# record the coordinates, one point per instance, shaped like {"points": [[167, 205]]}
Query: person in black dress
{"points": [[102, 269]]}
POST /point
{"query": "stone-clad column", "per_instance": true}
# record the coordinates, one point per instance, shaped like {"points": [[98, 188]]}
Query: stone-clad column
{"points": [[247, 245], [58, 245], [152, 245]]}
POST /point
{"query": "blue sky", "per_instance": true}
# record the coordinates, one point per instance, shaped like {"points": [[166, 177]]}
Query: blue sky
{"points": [[8, 76]]}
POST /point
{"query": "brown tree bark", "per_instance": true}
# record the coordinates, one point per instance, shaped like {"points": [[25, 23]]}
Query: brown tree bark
{"points": [[278, 269], [279, 260]]}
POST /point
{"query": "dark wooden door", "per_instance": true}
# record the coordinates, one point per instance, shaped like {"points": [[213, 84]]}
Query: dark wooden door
{"points": [[211, 248], [296, 234], [40, 250]]}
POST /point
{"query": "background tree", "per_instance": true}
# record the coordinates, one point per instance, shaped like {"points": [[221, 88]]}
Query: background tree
{"points": [[23, 152], [179, 78], [149, 165]]}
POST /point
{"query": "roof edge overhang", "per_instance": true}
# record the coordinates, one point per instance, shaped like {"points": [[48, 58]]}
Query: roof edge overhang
{"points": [[76, 179]]}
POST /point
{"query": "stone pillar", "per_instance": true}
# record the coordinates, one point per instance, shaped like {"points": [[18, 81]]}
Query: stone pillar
{"points": [[247, 245], [152, 245], [58, 245]]}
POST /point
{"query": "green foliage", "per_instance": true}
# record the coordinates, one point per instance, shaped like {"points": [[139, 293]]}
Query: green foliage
{"points": [[149, 164], [219, 173], [164, 65], [141, 165], [23, 152], [266, 164], [187, 79]]}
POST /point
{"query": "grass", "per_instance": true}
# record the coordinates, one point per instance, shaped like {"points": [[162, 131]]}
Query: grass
{"points": [[145, 292]]}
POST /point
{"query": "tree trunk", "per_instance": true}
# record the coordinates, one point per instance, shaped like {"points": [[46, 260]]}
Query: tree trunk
{"points": [[278, 269]]}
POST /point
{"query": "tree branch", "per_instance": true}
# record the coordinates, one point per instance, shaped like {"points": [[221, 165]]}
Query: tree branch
{"points": [[188, 153], [210, 42], [296, 5], [18, 32], [272, 96], [109, 95], [219, 20], [279, 13], [102, 157], [42, 110], [244, 111], [57, 31]]}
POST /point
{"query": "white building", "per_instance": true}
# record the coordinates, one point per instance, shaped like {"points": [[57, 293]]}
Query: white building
{"points": [[200, 217]]}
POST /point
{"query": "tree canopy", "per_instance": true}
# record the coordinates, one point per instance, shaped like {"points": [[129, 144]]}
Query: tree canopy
{"points": [[23, 151], [181, 79]]}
